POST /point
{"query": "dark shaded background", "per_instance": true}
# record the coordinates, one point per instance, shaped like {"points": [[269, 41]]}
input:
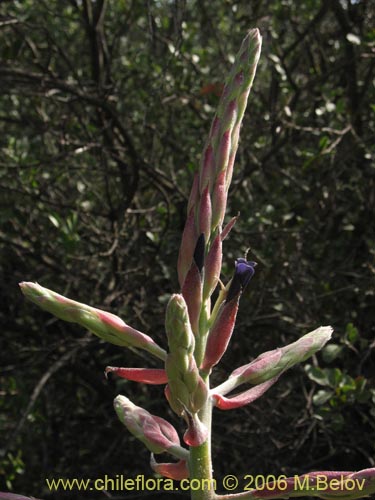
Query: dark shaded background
{"points": [[104, 109]]}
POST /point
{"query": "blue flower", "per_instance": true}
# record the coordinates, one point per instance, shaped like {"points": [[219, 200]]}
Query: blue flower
{"points": [[243, 273]]}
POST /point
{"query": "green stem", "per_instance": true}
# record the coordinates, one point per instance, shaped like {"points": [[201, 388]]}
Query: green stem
{"points": [[200, 462], [179, 452], [156, 351], [227, 386]]}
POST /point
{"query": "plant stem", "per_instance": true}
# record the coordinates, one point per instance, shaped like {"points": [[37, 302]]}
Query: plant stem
{"points": [[179, 452], [200, 462], [227, 386], [157, 351]]}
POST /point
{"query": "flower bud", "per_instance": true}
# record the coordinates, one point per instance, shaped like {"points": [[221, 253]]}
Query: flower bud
{"points": [[194, 193], [198, 392], [244, 398], [175, 404], [228, 120], [215, 129], [105, 325], [224, 152], [192, 293], [176, 471], [220, 334], [260, 369], [272, 363], [212, 267], [207, 170], [155, 432], [219, 200], [196, 433], [143, 375], [188, 243], [229, 170], [177, 325], [228, 227], [186, 389], [205, 214]]}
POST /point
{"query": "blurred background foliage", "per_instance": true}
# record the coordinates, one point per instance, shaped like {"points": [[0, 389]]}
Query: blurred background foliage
{"points": [[104, 109]]}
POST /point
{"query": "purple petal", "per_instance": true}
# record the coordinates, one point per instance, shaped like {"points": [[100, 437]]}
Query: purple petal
{"points": [[243, 273]]}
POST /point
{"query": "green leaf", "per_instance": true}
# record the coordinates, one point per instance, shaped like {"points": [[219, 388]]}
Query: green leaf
{"points": [[335, 377], [322, 397], [316, 375], [351, 333]]}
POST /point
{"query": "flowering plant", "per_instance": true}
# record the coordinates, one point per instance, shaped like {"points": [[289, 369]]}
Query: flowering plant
{"points": [[199, 329]]}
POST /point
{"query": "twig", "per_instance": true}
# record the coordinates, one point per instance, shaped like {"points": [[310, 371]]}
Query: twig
{"points": [[39, 388]]}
